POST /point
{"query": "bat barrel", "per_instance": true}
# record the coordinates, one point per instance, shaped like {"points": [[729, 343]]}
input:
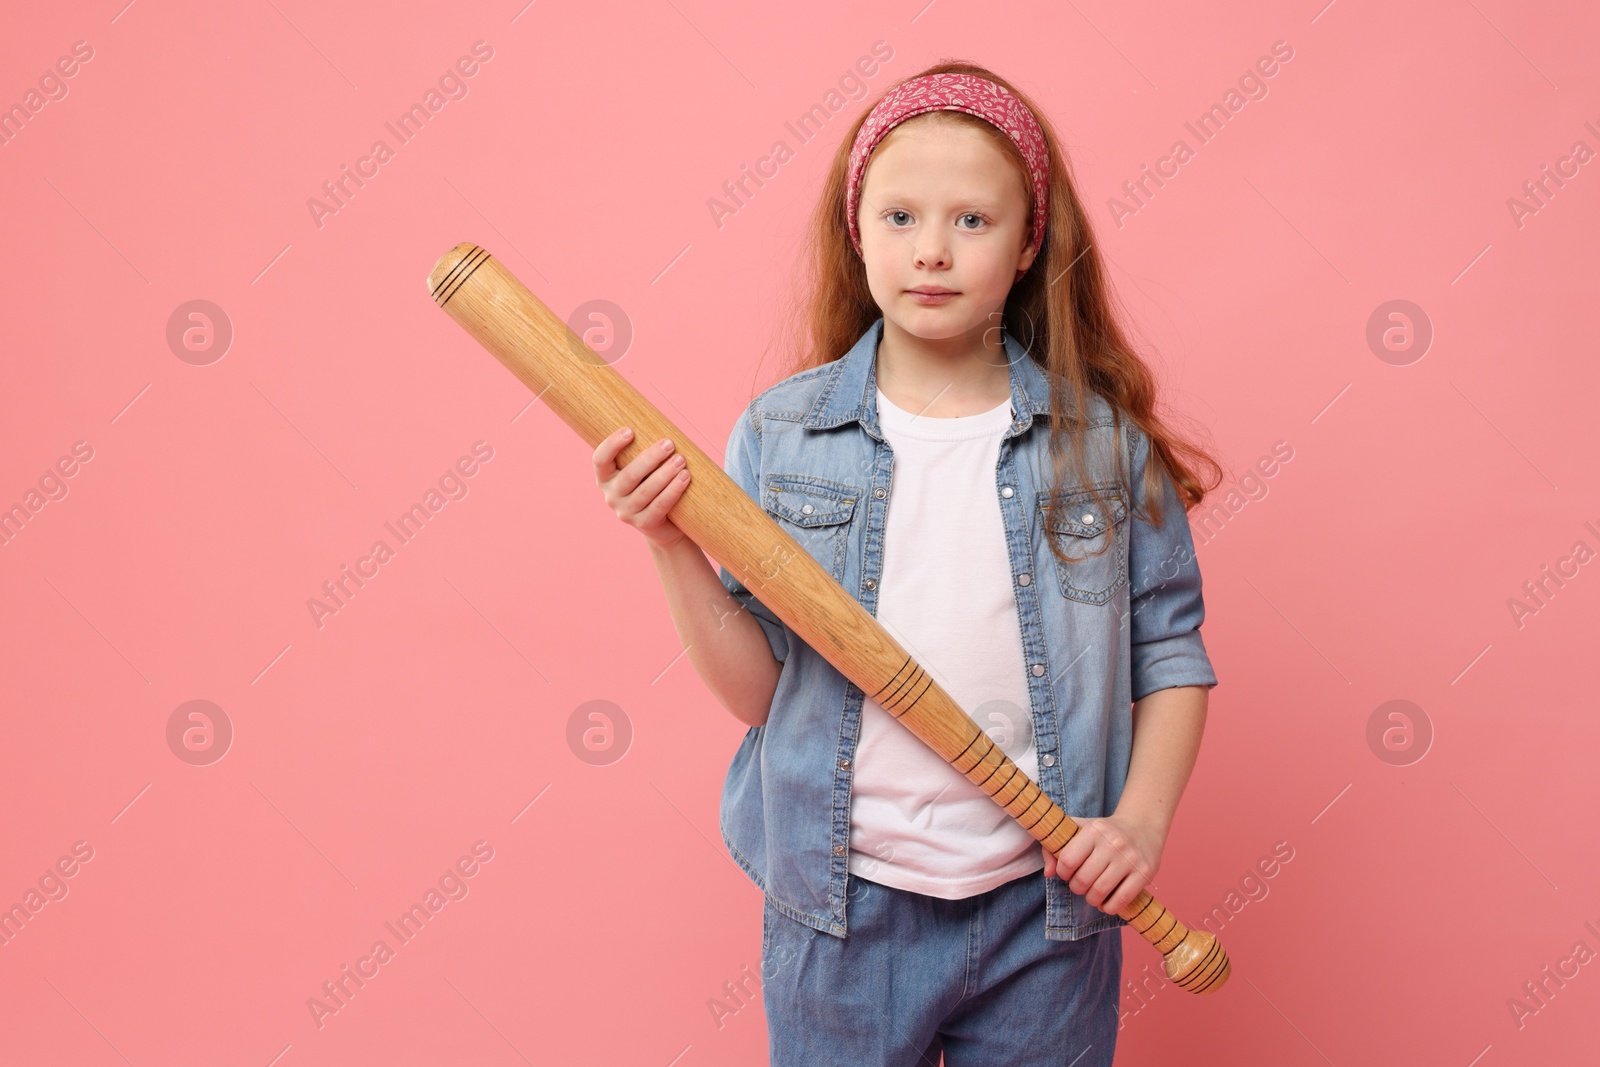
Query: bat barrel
{"points": [[590, 396]]}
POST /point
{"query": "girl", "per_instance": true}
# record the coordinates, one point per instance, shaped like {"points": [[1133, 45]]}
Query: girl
{"points": [[969, 445]]}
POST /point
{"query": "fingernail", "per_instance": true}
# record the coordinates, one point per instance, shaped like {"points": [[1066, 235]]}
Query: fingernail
{"points": [[626, 433]]}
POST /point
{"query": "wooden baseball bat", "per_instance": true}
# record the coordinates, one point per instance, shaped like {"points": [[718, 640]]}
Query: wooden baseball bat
{"points": [[588, 395]]}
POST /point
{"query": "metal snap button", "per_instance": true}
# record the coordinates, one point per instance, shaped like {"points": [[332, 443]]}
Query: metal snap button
{"points": [[1038, 669], [871, 583], [1047, 760], [807, 509], [880, 492], [1087, 518], [1007, 491], [844, 764], [838, 850], [1024, 579]]}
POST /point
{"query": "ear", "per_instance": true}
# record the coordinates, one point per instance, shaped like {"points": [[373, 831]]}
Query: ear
{"points": [[1025, 260]]}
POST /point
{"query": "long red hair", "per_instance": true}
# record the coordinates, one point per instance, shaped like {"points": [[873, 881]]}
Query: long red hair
{"points": [[1068, 326]]}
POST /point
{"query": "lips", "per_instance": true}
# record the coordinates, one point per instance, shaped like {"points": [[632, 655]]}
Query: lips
{"points": [[932, 290]]}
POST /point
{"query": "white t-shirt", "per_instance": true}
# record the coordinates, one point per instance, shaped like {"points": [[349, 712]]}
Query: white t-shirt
{"points": [[945, 594]]}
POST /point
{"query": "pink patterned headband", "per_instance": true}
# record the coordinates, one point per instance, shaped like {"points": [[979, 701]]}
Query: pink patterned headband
{"points": [[953, 92]]}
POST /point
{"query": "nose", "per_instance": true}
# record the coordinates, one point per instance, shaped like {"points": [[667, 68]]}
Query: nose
{"points": [[932, 252]]}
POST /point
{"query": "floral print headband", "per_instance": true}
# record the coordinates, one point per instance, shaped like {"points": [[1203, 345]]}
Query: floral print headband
{"points": [[953, 92]]}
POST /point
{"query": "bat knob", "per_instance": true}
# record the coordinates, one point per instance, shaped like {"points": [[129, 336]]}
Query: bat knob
{"points": [[1195, 960], [1198, 963]]}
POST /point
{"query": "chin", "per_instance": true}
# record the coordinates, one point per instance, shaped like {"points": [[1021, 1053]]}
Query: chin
{"points": [[938, 323]]}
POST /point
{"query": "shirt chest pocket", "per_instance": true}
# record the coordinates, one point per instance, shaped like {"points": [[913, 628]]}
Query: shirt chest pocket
{"points": [[816, 512], [1093, 535]]}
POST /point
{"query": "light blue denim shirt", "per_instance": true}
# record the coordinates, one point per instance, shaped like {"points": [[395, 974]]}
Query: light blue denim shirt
{"points": [[1097, 634]]}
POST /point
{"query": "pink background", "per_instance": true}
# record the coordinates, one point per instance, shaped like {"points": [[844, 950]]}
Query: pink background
{"points": [[370, 754]]}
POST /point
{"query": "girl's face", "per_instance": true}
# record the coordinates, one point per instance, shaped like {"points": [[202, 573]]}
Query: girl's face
{"points": [[943, 209]]}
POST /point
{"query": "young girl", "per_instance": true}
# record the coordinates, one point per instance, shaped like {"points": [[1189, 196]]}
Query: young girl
{"points": [[970, 447]]}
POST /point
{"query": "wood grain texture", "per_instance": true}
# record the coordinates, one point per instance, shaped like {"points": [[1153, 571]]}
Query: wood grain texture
{"points": [[589, 395]]}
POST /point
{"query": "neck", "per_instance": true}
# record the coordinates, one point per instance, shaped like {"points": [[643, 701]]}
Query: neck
{"points": [[943, 374]]}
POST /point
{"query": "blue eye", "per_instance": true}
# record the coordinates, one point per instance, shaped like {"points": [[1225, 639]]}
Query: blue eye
{"points": [[892, 214], [972, 215]]}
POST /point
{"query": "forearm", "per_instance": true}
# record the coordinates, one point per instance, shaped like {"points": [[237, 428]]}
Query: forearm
{"points": [[1167, 725], [724, 642]]}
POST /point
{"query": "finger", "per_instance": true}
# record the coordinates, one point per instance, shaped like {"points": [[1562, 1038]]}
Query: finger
{"points": [[670, 492], [1083, 878], [1125, 893], [642, 466], [1066, 865], [1049, 862], [605, 455], [1076, 850], [1114, 875], [640, 503], [1117, 840]]}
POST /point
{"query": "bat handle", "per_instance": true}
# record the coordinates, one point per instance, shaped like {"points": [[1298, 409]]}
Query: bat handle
{"points": [[1194, 959]]}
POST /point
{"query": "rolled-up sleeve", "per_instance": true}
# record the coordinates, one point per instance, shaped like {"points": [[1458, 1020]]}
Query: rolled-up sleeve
{"points": [[742, 463], [1164, 599]]}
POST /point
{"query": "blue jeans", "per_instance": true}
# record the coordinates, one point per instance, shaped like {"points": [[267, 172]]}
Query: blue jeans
{"points": [[975, 979]]}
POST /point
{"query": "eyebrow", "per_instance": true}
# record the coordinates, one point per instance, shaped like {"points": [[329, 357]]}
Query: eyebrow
{"points": [[981, 202]]}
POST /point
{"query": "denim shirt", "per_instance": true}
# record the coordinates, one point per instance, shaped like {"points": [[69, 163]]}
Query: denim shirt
{"points": [[1097, 634]]}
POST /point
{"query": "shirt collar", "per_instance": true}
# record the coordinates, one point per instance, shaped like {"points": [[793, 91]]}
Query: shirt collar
{"points": [[850, 392]]}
